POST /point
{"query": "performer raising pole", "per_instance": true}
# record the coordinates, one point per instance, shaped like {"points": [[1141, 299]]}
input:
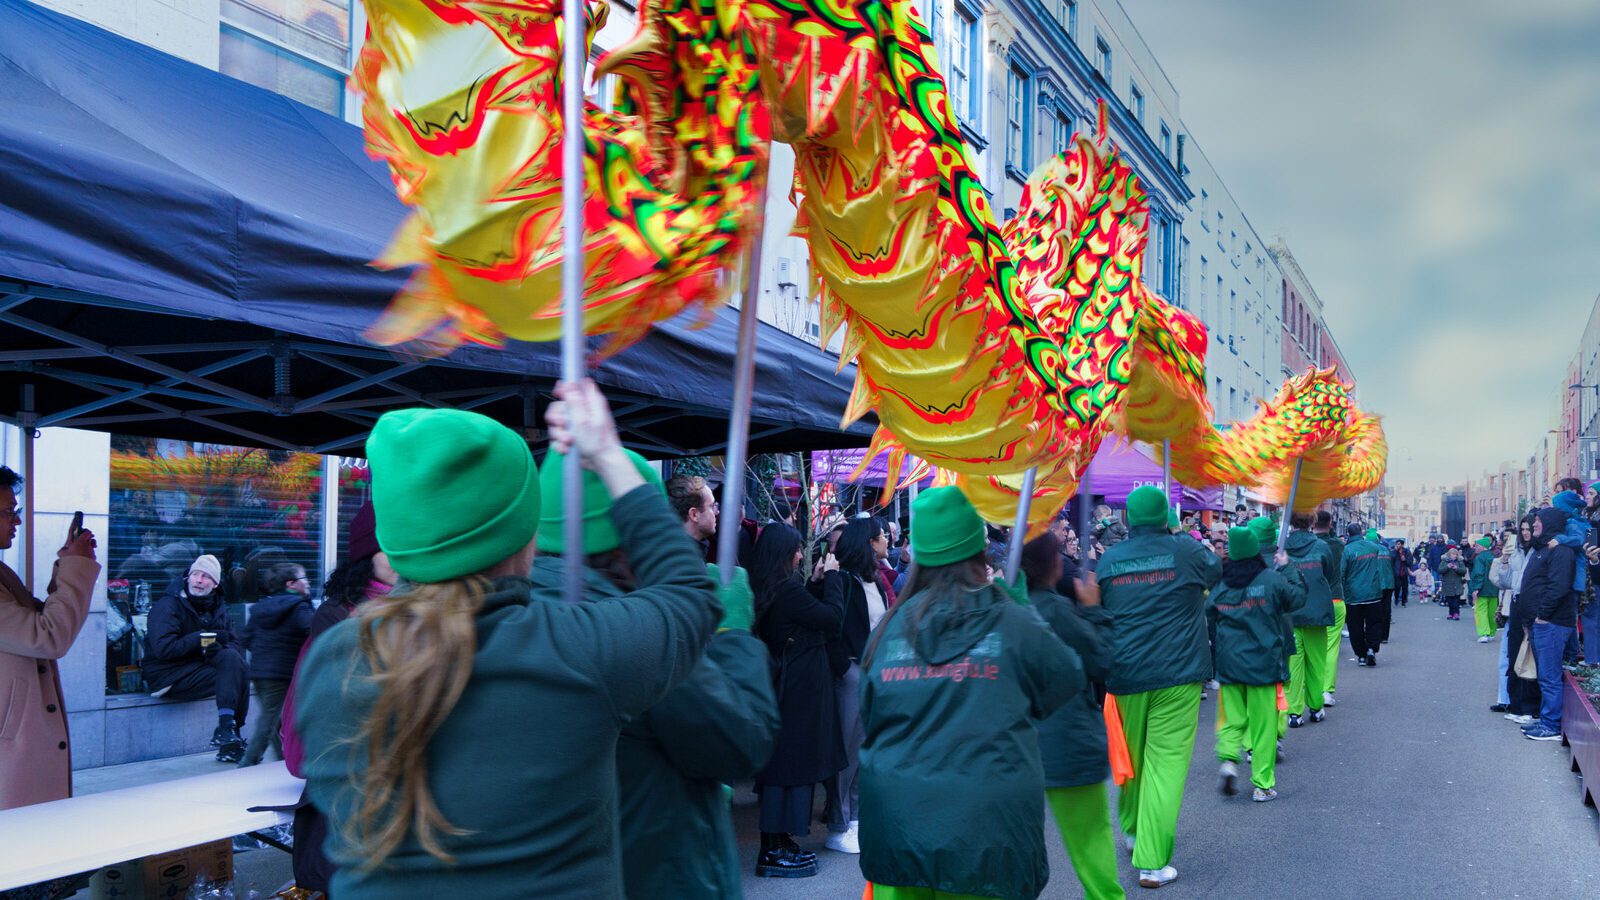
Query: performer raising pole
{"points": [[572, 273]]}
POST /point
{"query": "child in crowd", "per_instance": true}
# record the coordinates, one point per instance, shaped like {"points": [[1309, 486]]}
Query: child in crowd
{"points": [[1424, 581], [278, 628]]}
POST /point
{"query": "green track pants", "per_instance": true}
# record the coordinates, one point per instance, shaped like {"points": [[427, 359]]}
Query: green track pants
{"points": [[889, 892], [1308, 668], [1483, 610], [1247, 717], [1335, 645], [1083, 816], [1160, 728]]}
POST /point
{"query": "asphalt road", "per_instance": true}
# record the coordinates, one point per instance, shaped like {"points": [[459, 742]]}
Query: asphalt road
{"points": [[1411, 788]]}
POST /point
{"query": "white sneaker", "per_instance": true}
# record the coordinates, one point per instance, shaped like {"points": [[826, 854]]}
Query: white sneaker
{"points": [[1521, 720], [1327, 699], [1229, 773], [1154, 878], [1262, 796], [844, 842], [1483, 640], [1213, 685], [1344, 634]]}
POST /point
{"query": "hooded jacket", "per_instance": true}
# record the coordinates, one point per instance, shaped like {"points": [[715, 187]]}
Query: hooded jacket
{"points": [[1153, 584], [1311, 557], [172, 633], [1435, 553], [952, 785], [1336, 550], [1453, 576], [278, 628], [1547, 579], [1249, 608], [1366, 572], [1481, 584], [1073, 741]]}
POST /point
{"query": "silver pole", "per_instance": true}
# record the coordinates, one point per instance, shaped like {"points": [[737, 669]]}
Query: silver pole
{"points": [[911, 514], [1166, 475], [30, 476], [1288, 510], [1085, 500], [1020, 529], [744, 382], [572, 274]]}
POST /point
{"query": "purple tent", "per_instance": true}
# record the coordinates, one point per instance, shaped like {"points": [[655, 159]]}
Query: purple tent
{"points": [[835, 466]]}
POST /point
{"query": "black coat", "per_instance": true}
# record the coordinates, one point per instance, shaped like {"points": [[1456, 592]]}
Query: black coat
{"points": [[1547, 585], [844, 590], [278, 628], [172, 634], [796, 627]]}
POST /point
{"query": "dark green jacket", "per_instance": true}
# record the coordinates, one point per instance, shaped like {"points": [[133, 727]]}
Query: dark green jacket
{"points": [[1482, 584], [715, 728], [1367, 572], [1452, 576], [952, 787], [1311, 557], [526, 761], [1252, 648], [1153, 584], [1072, 742], [1335, 547]]}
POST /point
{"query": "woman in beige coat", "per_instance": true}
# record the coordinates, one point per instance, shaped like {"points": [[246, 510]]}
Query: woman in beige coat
{"points": [[35, 759]]}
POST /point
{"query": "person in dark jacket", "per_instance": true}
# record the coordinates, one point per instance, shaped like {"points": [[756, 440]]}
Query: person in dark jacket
{"points": [[1547, 589], [1522, 694], [796, 627], [1436, 552], [1072, 743], [865, 603], [1249, 607], [1154, 585], [1483, 592], [1453, 573], [1266, 535], [715, 728], [191, 652], [460, 734], [278, 627], [952, 784], [1367, 577], [1324, 529], [1308, 668], [1401, 558]]}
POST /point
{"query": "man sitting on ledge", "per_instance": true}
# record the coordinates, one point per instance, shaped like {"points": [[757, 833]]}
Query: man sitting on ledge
{"points": [[191, 654]]}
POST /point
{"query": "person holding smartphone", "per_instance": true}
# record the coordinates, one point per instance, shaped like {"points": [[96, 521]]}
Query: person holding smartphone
{"points": [[35, 759]]}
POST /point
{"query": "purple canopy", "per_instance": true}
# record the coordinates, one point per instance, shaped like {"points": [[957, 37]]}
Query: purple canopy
{"points": [[1119, 467]]}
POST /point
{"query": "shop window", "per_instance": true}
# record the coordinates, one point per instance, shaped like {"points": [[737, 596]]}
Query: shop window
{"points": [[172, 501], [253, 60]]}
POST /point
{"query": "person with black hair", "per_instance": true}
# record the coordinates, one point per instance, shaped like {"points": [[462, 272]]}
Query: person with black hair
{"points": [[275, 633], [857, 586], [1308, 667], [796, 627], [1522, 694]]}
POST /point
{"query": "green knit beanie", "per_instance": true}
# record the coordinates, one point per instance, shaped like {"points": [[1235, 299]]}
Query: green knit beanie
{"points": [[454, 492], [1242, 543], [599, 531], [1147, 505], [1172, 519], [947, 529], [1485, 542], [1266, 533]]}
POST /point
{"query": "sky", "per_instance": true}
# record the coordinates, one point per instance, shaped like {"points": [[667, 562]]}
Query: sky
{"points": [[1434, 165]]}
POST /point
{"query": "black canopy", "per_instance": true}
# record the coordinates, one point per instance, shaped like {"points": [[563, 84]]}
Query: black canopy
{"points": [[185, 255]]}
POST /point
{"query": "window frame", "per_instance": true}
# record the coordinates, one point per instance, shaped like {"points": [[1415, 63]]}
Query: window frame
{"points": [[1136, 102], [1019, 100], [1104, 58], [250, 35]]}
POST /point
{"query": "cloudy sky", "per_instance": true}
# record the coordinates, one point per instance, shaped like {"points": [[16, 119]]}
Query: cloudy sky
{"points": [[1435, 166]]}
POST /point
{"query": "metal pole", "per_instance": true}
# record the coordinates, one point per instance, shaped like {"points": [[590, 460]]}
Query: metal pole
{"points": [[1019, 531], [911, 515], [30, 475], [1166, 475], [572, 274], [1288, 510], [1085, 500], [744, 382]]}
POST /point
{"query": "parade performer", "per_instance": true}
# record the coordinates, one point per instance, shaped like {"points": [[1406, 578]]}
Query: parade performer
{"points": [[1325, 530], [959, 664], [1267, 539], [717, 727], [461, 735], [1368, 576], [1308, 667], [1485, 593], [1153, 584], [1073, 741], [1385, 615], [1248, 608]]}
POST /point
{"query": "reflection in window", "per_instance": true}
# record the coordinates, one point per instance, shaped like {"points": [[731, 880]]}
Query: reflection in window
{"points": [[280, 71], [172, 501]]}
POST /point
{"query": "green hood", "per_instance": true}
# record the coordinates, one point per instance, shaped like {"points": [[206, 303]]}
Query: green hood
{"points": [[949, 631], [1300, 540]]}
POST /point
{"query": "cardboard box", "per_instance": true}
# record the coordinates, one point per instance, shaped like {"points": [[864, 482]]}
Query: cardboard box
{"points": [[166, 875]]}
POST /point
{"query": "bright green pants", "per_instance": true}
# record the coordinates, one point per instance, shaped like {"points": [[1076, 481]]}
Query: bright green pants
{"points": [[1083, 816], [1308, 668], [1247, 716], [1160, 727], [1334, 645], [889, 892], [1484, 610]]}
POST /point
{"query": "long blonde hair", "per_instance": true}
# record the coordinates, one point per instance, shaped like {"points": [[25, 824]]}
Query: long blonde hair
{"points": [[419, 643]]}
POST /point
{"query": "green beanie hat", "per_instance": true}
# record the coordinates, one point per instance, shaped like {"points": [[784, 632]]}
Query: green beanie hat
{"points": [[1147, 506], [1172, 519], [599, 531], [1242, 543], [947, 530], [454, 492], [1266, 533], [1483, 542]]}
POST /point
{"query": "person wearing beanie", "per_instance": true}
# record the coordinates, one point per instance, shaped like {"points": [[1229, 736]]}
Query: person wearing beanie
{"points": [[183, 661], [1072, 743], [1266, 533], [1452, 579], [1249, 607], [1483, 592], [1153, 584], [717, 727], [1308, 666], [960, 664], [1551, 605], [1368, 577], [460, 734], [1324, 529]]}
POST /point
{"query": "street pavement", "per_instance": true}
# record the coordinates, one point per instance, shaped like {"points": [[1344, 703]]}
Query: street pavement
{"points": [[1411, 788]]}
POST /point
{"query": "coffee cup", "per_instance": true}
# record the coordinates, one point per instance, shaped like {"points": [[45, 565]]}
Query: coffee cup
{"points": [[207, 638]]}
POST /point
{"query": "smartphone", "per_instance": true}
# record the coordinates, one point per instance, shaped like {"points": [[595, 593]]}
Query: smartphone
{"points": [[77, 525]]}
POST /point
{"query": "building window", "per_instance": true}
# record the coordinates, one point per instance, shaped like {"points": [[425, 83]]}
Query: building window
{"points": [[1205, 277], [1067, 15], [1102, 57], [1205, 209], [1183, 270], [1166, 142], [1019, 87], [297, 48], [1136, 102], [964, 65], [1063, 136]]}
